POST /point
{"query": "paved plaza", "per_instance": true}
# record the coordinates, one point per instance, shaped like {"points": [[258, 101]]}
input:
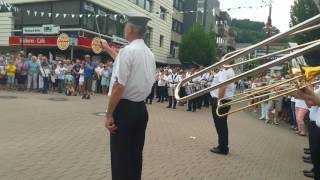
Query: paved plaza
{"points": [[41, 139]]}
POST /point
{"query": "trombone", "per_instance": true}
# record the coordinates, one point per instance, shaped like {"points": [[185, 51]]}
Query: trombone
{"points": [[308, 25], [304, 78]]}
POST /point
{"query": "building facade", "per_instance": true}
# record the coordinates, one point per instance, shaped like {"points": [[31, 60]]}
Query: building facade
{"points": [[82, 20]]}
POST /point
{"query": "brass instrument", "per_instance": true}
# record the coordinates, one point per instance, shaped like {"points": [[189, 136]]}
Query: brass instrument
{"points": [[308, 25], [301, 79]]}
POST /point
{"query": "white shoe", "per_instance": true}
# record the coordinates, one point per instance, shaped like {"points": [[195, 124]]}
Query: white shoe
{"points": [[261, 118]]}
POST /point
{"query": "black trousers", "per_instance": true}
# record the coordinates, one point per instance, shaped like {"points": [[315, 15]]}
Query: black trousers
{"points": [[314, 142], [192, 105], [126, 145], [172, 100], [162, 93], [151, 95], [221, 125], [206, 100]]}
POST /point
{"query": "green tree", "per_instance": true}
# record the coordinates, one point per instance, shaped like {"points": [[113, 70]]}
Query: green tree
{"points": [[198, 47], [301, 11], [248, 31]]}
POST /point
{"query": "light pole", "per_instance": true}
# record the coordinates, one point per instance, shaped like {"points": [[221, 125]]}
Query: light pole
{"points": [[269, 27]]}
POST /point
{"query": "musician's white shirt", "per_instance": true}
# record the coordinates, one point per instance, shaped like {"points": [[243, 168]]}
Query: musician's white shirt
{"points": [[222, 76], [161, 79], [315, 112], [135, 69], [174, 79]]}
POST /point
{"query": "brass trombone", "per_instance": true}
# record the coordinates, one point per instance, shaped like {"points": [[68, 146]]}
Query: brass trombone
{"points": [[304, 78], [308, 25]]}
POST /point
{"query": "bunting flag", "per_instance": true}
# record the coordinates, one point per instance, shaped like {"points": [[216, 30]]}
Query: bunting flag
{"points": [[4, 4]]}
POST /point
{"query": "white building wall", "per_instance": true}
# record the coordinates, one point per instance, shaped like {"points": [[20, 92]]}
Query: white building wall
{"points": [[159, 26], [6, 25]]}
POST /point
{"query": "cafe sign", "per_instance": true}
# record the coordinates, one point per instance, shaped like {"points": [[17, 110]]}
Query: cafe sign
{"points": [[63, 41]]}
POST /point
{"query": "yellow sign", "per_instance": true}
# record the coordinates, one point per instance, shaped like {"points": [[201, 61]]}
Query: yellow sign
{"points": [[96, 45], [63, 41]]}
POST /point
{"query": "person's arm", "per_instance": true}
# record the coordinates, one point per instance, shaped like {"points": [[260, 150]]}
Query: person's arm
{"points": [[222, 92], [106, 48]]}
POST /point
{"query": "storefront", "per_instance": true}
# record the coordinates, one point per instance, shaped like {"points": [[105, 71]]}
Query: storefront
{"points": [[76, 47]]}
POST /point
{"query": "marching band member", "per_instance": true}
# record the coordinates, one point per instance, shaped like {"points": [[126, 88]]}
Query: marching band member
{"points": [[191, 88], [265, 105], [204, 84], [275, 104], [221, 124], [127, 116], [312, 99], [161, 85], [173, 80]]}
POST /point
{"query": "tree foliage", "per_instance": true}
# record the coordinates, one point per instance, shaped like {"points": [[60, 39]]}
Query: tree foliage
{"points": [[248, 31], [301, 11], [198, 47]]}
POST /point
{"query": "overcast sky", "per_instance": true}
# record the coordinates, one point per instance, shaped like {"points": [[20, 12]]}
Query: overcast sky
{"points": [[280, 11]]}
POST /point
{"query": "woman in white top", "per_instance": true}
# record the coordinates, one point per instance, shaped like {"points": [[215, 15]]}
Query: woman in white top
{"points": [[81, 77], [301, 111]]}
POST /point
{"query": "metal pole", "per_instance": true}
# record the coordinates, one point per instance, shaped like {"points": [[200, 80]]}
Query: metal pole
{"points": [[269, 28], [71, 52]]}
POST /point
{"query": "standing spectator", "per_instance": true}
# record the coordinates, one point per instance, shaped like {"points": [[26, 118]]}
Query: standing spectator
{"points": [[293, 121], [301, 111], [22, 72], [45, 74], [161, 86], [11, 72], [53, 78], [60, 72], [28, 59], [81, 78], [2, 72], [33, 73], [105, 79], [98, 70], [75, 72], [88, 76]]}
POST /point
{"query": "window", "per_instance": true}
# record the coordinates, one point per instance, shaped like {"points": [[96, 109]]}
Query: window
{"points": [[161, 40], [163, 13], [148, 36], [178, 4], [173, 46], [141, 3], [176, 26], [149, 5], [145, 4]]}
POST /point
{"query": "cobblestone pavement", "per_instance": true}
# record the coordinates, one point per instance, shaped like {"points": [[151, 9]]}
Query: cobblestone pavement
{"points": [[42, 139]]}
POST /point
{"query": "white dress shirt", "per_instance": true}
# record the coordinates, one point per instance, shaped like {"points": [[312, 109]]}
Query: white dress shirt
{"points": [[315, 112], [134, 68], [220, 77]]}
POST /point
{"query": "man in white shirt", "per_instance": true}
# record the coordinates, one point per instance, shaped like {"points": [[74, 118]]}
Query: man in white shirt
{"points": [[60, 72], [173, 79], [226, 94], [312, 99], [161, 85], [131, 82]]}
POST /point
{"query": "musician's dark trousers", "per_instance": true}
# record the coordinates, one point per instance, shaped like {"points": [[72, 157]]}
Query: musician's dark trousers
{"points": [[172, 100], [126, 145], [206, 100], [162, 91], [221, 125], [151, 95], [192, 105], [314, 142]]}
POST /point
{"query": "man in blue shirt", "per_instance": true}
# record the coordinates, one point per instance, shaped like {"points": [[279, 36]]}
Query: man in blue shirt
{"points": [[88, 76]]}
